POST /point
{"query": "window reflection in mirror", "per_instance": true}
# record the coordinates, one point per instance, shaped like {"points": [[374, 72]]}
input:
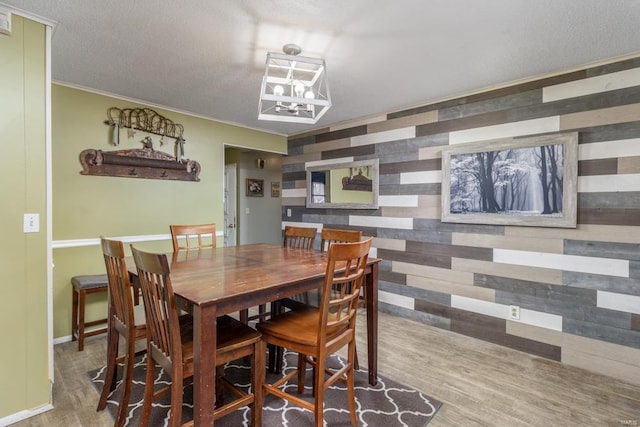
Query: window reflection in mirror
{"points": [[352, 185]]}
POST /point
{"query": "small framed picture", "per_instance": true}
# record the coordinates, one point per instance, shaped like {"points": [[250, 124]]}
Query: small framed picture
{"points": [[275, 189], [255, 187]]}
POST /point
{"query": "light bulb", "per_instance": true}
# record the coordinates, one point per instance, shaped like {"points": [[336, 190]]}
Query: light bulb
{"points": [[299, 89], [309, 95], [278, 90]]}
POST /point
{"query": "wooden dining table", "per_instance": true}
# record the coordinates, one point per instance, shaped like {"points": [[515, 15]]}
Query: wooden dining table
{"points": [[212, 282]]}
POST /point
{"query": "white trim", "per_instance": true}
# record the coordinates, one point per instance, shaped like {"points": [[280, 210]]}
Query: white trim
{"points": [[164, 107], [62, 340], [76, 243], [23, 415], [31, 16], [49, 205]]}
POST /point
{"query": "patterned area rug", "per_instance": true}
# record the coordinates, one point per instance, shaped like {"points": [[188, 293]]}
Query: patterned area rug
{"points": [[386, 404]]}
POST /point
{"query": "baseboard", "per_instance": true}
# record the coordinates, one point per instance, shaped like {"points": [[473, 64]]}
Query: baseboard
{"points": [[23, 415], [61, 340]]}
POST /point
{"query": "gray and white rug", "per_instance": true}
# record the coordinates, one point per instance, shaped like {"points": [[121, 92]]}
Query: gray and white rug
{"points": [[386, 404]]}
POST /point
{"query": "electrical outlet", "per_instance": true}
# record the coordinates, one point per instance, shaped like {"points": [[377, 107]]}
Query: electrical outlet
{"points": [[288, 213], [514, 312]]}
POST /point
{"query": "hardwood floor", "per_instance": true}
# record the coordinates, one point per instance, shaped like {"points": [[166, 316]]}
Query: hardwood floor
{"points": [[480, 384]]}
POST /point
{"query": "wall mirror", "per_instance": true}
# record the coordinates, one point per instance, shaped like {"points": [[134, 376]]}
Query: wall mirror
{"points": [[346, 185]]}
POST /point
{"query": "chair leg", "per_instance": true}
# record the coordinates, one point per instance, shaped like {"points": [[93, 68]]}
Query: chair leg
{"points": [[302, 372], [351, 394], [74, 315], [257, 379], [279, 359], [81, 303], [127, 380], [110, 376], [176, 401], [318, 383], [262, 310], [219, 382], [148, 390], [356, 365]]}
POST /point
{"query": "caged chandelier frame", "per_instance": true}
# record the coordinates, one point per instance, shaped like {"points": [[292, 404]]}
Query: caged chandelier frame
{"points": [[294, 88]]}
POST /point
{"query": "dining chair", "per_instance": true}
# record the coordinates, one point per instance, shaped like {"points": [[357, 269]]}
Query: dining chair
{"points": [[193, 236], [125, 320], [299, 237], [334, 235], [170, 345], [317, 333], [295, 238], [82, 286], [328, 236]]}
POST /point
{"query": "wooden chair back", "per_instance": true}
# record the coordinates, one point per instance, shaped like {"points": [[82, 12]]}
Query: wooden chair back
{"points": [[316, 334], [341, 291], [163, 326], [193, 236], [332, 235], [120, 294], [126, 321], [299, 237]]}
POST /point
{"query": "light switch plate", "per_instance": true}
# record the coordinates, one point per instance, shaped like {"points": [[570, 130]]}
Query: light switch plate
{"points": [[31, 223]]}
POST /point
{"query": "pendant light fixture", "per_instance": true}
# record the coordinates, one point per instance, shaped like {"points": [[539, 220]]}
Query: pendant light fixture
{"points": [[294, 88]]}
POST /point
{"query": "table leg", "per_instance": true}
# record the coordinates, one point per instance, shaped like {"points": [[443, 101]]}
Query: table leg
{"points": [[204, 362], [371, 300]]}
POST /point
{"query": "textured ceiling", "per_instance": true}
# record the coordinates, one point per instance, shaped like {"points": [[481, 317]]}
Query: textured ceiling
{"points": [[207, 57]]}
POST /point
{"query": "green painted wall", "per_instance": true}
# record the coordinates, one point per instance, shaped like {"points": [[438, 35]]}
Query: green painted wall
{"points": [[23, 272], [86, 207]]}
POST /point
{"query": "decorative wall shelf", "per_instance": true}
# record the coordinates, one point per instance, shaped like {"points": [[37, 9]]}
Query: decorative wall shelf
{"points": [[144, 162], [138, 163]]}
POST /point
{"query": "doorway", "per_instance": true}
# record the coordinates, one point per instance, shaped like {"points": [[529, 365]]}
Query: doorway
{"points": [[256, 216], [230, 203]]}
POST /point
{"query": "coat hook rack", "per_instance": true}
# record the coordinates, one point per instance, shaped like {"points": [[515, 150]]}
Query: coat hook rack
{"points": [[146, 120], [143, 162]]}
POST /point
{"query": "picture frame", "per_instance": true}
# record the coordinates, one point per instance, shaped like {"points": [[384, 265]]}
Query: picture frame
{"points": [[275, 189], [255, 187], [530, 181]]}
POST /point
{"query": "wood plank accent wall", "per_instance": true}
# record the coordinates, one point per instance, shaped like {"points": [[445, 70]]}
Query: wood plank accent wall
{"points": [[578, 289]]}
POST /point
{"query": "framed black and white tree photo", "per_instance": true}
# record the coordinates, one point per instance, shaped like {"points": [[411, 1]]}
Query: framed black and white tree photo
{"points": [[520, 181]]}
